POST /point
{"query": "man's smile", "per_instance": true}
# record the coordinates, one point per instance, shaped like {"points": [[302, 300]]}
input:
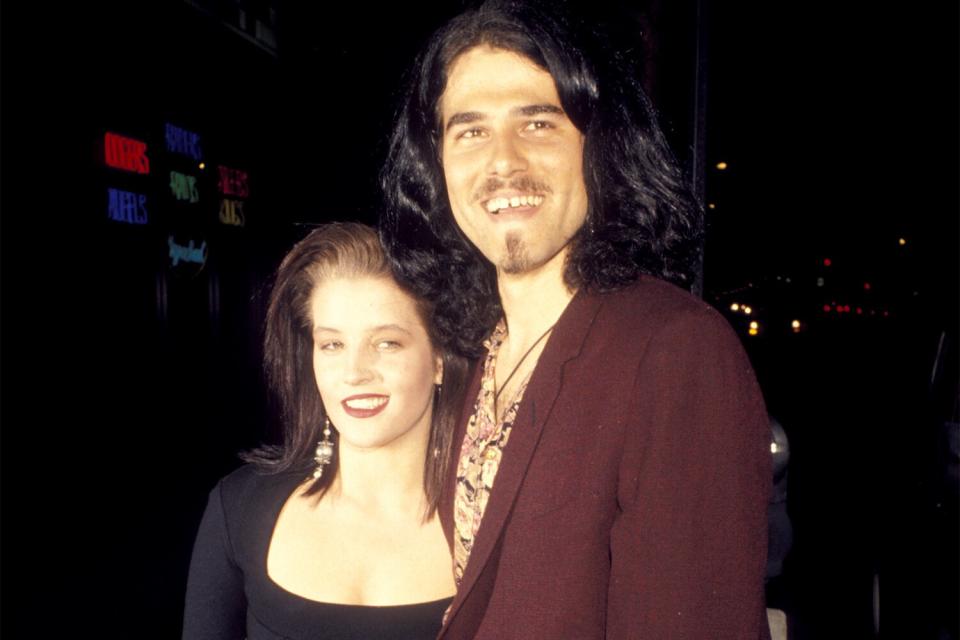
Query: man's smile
{"points": [[512, 201]]}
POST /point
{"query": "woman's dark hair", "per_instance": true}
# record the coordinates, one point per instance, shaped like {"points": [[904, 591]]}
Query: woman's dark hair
{"points": [[642, 216], [337, 250]]}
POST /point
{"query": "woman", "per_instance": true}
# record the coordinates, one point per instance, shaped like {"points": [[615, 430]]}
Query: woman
{"points": [[333, 533]]}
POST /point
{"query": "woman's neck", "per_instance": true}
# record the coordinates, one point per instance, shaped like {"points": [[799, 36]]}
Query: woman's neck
{"points": [[387, 482]]}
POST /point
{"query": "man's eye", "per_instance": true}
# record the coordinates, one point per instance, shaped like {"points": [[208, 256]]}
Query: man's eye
{"points": [[539, 125], [469, 134]]}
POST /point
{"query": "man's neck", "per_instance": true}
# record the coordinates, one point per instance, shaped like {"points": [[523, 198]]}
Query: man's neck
{"points": [[533, 301]]}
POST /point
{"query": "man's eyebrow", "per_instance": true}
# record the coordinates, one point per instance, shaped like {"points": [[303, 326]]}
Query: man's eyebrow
{"points": [[468, 117], [537, 109], [464, 117]]}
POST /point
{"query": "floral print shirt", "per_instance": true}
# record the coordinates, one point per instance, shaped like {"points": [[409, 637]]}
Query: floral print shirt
{"points": [[480, 455]]}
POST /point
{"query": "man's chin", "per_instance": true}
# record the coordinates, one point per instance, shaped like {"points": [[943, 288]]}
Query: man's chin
{"points": [[517, 259], [511, 268]]}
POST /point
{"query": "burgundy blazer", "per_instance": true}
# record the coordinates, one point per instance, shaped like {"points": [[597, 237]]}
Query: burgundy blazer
{"points": [[631, 500]]}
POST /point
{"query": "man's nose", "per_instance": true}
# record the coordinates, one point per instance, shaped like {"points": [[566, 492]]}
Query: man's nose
{"points": [[506, 156]]}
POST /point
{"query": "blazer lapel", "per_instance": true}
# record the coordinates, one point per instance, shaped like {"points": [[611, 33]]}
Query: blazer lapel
{"points": [[564, 344]]}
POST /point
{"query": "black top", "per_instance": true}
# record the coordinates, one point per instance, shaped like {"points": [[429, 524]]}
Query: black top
{"points": [[231, 597]]}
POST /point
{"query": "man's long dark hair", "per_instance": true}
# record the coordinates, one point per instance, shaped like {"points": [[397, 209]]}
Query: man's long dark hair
{"points": [[642, 217]]}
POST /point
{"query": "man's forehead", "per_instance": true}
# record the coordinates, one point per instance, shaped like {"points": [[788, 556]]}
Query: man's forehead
{"points": [[486, 72], [483, 57]]}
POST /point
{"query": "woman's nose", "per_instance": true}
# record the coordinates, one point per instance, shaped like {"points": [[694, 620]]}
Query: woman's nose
{"points": [[360, 366]]}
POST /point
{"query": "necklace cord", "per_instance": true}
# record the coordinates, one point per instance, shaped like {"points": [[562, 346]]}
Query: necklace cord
{"points": [[520, 362]]}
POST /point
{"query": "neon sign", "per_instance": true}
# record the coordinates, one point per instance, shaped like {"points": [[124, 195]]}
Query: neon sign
{"points": [[125, 206], [233, 182], [183, 142], [189, 253], [184, 187], [125, 153], [231, 212]]}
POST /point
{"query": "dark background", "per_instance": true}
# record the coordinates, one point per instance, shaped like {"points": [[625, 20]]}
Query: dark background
{"points": [[128, 386]]}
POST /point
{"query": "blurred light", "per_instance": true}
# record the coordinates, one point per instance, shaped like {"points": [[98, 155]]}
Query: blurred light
{"points": [[903, 241], [859, 311], [722, 166], [711, 206], [747, 310], [846, 308], [820, 282], [886, 314], [795, 324], [735, 307], [754, 325], [827, 262], [202, 166], [826, 308], [753, 331], [773, 447], [866, 286]]}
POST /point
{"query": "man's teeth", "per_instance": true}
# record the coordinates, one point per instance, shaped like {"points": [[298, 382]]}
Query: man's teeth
{"points": [[498, 204], [366, 403]]}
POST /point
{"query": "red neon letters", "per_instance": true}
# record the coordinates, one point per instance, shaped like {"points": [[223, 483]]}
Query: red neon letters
{"points": [[233, 182], [125, 153]]}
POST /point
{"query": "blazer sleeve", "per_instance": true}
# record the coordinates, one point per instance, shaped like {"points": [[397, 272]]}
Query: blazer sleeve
{"points": [[688, 546], [215, 601]]}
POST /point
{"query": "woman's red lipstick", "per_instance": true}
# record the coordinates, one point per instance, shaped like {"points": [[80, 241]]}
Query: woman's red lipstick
{"points": [[364, 405]]}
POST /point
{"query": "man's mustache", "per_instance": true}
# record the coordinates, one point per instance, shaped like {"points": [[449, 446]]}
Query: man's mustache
{"points": [[520, 183]]}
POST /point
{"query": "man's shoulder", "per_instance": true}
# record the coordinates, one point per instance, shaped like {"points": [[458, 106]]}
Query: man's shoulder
{"points": [[655, 317], [656, 302]]}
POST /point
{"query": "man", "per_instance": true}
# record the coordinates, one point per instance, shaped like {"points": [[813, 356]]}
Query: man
{"points": [[611, 472]]}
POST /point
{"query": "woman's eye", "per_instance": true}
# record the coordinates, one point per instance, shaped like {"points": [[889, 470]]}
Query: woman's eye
{"points": [[330, 346], [388, 345]]}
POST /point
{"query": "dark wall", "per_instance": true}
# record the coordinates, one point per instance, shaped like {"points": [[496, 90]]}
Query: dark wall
{"points": [[128, 384]]}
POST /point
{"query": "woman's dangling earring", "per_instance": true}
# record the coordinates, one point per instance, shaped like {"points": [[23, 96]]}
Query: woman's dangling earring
{"points": [[324, 453]]}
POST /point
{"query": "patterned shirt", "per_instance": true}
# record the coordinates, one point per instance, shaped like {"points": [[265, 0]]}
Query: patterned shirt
{"points": [[480, 455]]}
